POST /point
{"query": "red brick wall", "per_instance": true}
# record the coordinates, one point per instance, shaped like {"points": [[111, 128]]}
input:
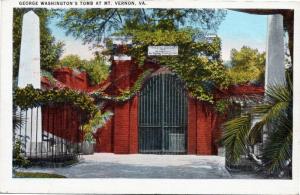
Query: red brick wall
{"points": [[104, 138], [120, 134], [203, 130], [62, 121], [121, 128], [203, 123], [71, 78], [121, 72], [192, 126], [133, 134]]}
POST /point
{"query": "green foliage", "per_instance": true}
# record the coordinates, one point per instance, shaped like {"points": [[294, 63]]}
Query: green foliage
{"points": [[198, 62], [126, 94], [247, 65], [222, 106], [275, 114], [29, 97], [50, 50], [37, 175], [94, 123], [18, 119], [97, 69], [88, 137], [18, 158], [71, 61], [235, 137], [91, 24]]}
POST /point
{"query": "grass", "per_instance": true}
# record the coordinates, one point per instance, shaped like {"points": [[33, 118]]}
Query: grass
{"points": [[37, 175]]}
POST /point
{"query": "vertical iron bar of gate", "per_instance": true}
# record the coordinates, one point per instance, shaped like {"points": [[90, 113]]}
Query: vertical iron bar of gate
{"points": [[42, 133], [154, 138], [64, 128], [152, 111], [67, 128], [30, 132], [167, 117], [148, 133], [174, 111], [141, 136], [158, 112], [79, 130], [150, 129], [48, 126], [163, 112], [25, 131], [176, 124], [52, 144], [61, 132], [180, 128], [36, 133], [20, 129], [143, 122]]}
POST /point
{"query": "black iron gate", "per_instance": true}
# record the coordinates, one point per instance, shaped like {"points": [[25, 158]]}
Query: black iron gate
{"points": [[163, 116]]}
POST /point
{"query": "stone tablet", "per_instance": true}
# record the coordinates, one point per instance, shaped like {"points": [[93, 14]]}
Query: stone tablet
{"points": [[162, 50]]}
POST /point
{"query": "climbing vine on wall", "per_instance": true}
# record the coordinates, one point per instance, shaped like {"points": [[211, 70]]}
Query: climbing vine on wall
{"points": [[198, 62], [30, 97], [94, 123], [126, 94]]}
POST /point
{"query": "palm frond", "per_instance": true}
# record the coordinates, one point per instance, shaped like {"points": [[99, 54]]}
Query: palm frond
{"points": [[279, 93], [271, 112], [278, 101], [278, 149], [235, 136], [275, 114], [18, 120], [255, 132]]}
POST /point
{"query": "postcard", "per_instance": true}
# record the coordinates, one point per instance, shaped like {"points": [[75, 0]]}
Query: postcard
{"points": [[147, 96]]}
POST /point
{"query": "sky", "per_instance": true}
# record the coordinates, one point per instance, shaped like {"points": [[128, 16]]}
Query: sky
{"points": [[237, 29]]}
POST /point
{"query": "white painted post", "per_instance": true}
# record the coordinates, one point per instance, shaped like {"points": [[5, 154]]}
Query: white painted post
{"points": [[29, 73]]}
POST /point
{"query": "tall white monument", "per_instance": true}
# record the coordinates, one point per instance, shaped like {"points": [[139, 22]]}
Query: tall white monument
{"points": [[275, 68], [29, 73]]}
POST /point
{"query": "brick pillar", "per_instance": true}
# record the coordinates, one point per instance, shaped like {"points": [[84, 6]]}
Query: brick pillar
{"points": [[192, 126], [122, 110], [122, 125], [121, 69], [133, 134], [204, 134]]}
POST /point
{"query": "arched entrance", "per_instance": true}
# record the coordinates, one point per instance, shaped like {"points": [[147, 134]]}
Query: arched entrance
{"points": [[163, 116]]}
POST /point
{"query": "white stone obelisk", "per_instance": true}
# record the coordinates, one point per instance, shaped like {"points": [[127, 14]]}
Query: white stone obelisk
{"points": [[29, 73], [275, 68]]}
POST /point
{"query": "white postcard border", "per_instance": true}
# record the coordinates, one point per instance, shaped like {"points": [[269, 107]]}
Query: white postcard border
{"points": [[137, 186]]}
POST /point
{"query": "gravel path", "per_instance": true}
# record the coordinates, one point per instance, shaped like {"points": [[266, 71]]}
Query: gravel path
{"points": [[106, 165]]}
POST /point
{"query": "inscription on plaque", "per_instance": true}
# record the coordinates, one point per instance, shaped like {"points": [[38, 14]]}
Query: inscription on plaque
{"points": [[162, 50]]}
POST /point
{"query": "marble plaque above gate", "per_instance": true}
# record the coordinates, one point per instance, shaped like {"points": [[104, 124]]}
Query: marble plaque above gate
{"points": [[162, 50]]}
